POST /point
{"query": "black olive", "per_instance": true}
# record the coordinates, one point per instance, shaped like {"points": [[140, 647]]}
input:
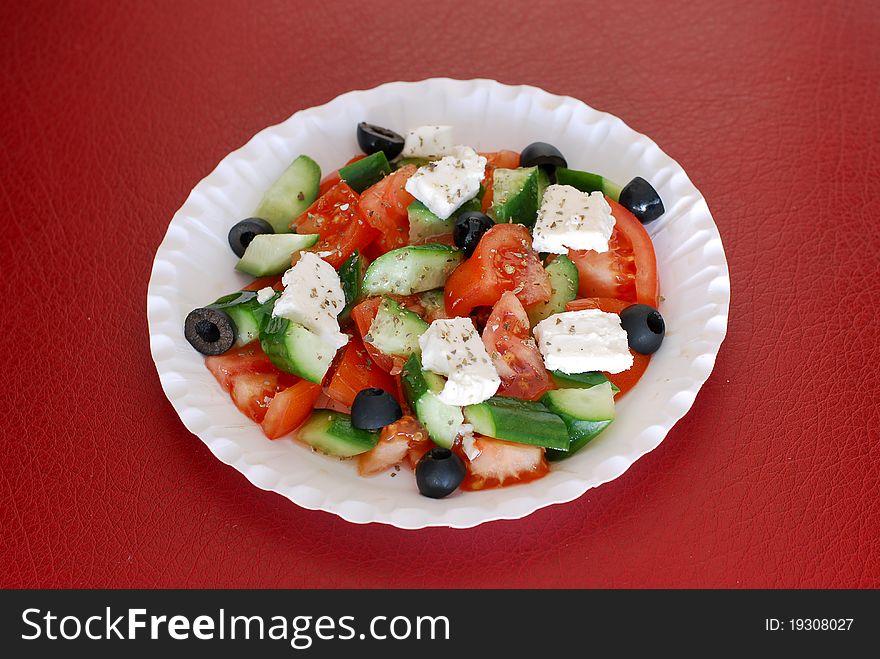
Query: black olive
{"points": [[373, 139], [546, 156], [644, 327], [641, 199], [439, 473], [469, 228], [210, 331], [241, 235], [373, 409]]}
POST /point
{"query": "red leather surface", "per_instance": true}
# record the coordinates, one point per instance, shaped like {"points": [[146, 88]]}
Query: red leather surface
{"points": [[110, 114]]}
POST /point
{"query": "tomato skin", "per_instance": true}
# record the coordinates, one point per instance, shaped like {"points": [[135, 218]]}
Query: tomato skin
{"points": [[503, 261], [627, 379], [383, 206], [290, 408], [333, 177], [335, 218], [263, 282], [363, 315], [494, 160], [250, 378], [627, 271], [398, 442], [508, 340], [501, 464], [356, 371]]}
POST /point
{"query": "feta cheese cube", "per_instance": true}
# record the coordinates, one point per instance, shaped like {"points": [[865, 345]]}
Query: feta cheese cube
{"points": [[582, 341], [571, 219], [428, 141], [265, 294], [452, 347], [313, 298], [444, 185]]}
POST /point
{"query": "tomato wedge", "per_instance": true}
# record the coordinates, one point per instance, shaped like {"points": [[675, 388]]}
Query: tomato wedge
{"points": [[289, 408], [355, 371], [628, 270], [503, 261], [398, 442], [383, 205], [628, 379], [250, 378], [335, 218], [501, 464], [508, 340], [496, 160]]}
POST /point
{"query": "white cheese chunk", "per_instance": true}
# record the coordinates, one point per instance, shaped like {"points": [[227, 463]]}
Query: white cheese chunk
{"points": [[444, 185], [313, 298], [453, 347], [582, 341], [265, 294], [571, 219], [428, 141]]}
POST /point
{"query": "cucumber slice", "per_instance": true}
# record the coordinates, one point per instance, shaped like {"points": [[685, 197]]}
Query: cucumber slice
{"points": [[564, 282], [291, 194], [411, 270], [365, 172], [332, 433], [395, 330], [425, 226], [434, 303], [585, 412], [587, 182], [521, 421], [269, 254], [242, 307], [517, 193], [295, 349], [420, 388], [581, 380], [351, 277]]}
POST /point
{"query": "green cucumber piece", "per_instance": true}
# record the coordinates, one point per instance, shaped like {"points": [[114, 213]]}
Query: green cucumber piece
{"points": [[409, 270], [581, 380], [424, 225], [351, 277], [332, 433], [517, 194], [365, 172], [564, 281], [403, 162], [587, 182], [242, 307], [395, 330], [521, 421], [295, 349], [585, 412], [420, 388], [291, 194], [269, 254], [434, 303]]}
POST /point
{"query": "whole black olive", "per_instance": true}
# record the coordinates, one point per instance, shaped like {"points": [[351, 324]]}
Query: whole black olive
{"points": [[641, 199], [373, 409], [644, 327], [372, 139], [469, 228], [439, 473]]}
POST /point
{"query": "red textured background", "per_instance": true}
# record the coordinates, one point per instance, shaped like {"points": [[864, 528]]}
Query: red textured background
{"points": [[110, 114]]}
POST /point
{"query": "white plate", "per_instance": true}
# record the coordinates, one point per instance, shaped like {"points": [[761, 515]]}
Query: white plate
{"points": [[194, 266]]}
